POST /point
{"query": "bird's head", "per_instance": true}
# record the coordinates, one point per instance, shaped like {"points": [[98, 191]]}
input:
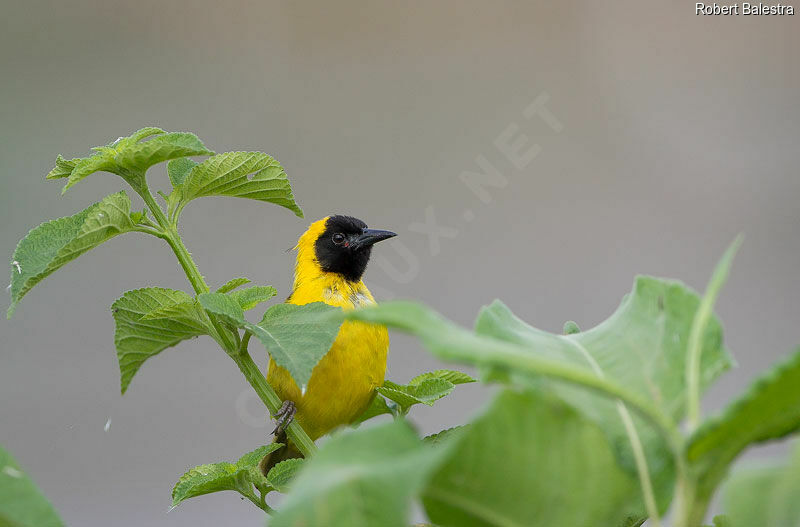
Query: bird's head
{"points": [[339, 244]]}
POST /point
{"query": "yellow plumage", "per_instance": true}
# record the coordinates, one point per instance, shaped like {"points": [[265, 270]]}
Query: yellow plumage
{"points": [[343, 383]]}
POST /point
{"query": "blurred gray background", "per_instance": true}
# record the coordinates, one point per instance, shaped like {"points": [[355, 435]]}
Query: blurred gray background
{"points": [[667, 134]]}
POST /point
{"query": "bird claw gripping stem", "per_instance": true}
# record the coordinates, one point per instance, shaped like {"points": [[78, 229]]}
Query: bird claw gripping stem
{"points": [[284, 416]]}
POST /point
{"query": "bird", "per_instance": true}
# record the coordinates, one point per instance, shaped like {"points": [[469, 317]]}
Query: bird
{"points": [[332, 256]]}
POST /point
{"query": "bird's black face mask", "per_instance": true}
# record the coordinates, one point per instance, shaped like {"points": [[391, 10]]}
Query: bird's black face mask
{"points": [[346, 245]]}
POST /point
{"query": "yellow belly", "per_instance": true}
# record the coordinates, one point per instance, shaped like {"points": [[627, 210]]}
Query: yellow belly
{"points": [[343, 383]]}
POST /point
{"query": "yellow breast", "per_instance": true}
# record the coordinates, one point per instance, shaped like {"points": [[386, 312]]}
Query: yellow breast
{"points": [[343, 383]]}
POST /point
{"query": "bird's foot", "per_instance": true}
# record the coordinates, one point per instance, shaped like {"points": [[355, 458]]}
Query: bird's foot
{"points": [[284, 416]]}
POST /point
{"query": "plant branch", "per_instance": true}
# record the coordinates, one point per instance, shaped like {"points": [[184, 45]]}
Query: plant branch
{"points": [[271, 400], [235, 349]]}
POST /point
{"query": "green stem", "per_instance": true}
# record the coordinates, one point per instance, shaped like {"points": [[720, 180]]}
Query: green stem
{"points": [[152, 232], [254, 376], [261, 502], [685, 503], [639, 456], [245, 341], [185, 258], [148, 222], [235, 348], [695, 345], [642, 469], [692, 500], [175, 242]]}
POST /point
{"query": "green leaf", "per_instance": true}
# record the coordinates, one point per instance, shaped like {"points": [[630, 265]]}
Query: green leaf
{"points": [[138, 338], [216, 477], [633, 521], [747, 495], [232, 305], [449, 434], [535, 444], [141, 156], [230, 285], [63, 168], [638, 355], [452, 343], [102, 161], [427, 392], [765, 496], [254, 457], [252, 175], [137, 217], [178, 169], [51, 245], [225, 307], [377, 406], [296, 337], [361, 477], [722, 521], [187, 312], [130, 157], [252, 296], [641, 346], [570, 328], [205, 479], [281, 475], [425, 389], [784, 505], [21, 502], [770, 409], [451, 376]]}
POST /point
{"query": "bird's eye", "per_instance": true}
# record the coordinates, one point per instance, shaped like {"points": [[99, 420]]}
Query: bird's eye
{"points": [[338, 238]]}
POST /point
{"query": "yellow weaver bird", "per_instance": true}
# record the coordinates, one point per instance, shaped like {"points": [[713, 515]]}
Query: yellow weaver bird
{"points": [[332, 256]]}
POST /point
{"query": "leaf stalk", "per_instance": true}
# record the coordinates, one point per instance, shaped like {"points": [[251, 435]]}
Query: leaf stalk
{"points": [[701, 319]]}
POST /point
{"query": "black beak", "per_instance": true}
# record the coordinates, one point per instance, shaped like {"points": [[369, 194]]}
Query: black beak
{"points": [[370, 237]]}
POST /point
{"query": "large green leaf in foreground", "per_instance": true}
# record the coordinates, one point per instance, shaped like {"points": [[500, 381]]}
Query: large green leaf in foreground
{"points": [[21, 502], [642, 346], [252, 175], [770, 409], [639, 354], [530, 461], [363, 477], [765, 496], [150, 320], [52, 245]]}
